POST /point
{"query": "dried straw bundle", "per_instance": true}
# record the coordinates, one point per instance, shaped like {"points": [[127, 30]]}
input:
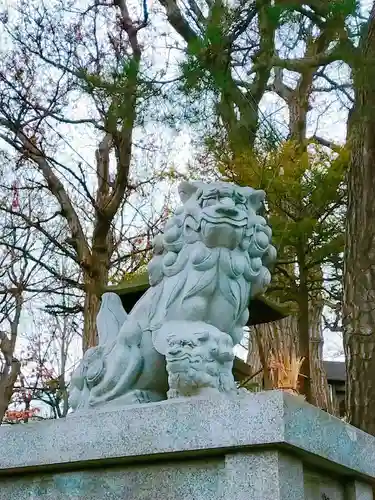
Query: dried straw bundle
{"points": [[284, 370]]}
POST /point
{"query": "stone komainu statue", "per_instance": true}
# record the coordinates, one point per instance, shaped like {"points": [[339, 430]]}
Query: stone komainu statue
{"points": [[211, 259]]}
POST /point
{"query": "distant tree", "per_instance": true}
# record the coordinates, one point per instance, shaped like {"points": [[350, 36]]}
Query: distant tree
{"points": [[18, 275], [48, 357], [359, 274], [80, 72]]}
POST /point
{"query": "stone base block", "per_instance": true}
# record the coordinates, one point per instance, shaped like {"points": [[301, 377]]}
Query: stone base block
{"points": [[263, 446]]}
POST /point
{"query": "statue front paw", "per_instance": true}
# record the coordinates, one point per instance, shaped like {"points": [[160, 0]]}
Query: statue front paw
{"points": [[95, 372]]}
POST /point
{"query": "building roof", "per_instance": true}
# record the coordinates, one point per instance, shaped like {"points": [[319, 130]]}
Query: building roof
{"points": [[261, 308], [335, 370]]}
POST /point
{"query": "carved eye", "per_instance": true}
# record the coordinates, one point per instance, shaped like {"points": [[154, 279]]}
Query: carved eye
{"points": [[239, 199], [199, 193], [209, 202], [203, 336], [187, 343]]}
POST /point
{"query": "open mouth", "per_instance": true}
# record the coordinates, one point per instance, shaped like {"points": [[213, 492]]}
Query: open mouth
{"points": [[178, 359], [223, 214], [231, 221]]}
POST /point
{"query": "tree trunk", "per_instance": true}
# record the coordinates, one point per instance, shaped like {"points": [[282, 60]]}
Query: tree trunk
{"points": [[11, 368], [320, 394], [269, 338], [94, 289], [253, 357], [7, 380], [90, 311], [314, 379], [95, 285], [303, 324], [62, 386], [284, 335], [359, 260]]}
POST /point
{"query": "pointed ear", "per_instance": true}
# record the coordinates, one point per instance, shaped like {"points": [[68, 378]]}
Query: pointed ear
{"points": [[256, 198], [186, 190]]}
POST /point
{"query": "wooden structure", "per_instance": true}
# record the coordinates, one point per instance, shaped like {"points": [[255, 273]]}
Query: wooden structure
{"points": [[262, 310], [336, 378]]}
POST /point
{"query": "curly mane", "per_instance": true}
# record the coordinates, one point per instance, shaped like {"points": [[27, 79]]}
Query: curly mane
{"points": [[195, 281]]}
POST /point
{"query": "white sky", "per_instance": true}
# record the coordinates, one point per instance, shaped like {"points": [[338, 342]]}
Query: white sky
{"points": [[178, 150]]}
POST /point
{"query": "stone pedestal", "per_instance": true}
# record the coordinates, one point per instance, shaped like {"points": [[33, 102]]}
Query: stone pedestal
{"points": [[261, 446]]}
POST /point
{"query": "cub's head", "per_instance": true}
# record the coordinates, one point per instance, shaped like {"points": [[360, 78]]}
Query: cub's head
{"points": [[198, 356]]}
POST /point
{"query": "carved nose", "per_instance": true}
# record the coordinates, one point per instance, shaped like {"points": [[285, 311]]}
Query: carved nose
{"points": [[175, 350], [227, 207], [228, 210]]}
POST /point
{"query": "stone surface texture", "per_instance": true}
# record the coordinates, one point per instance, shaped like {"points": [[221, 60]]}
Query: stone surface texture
{"points": [[165, 481], [357, 490], [263, 475], [189, 426], [211, 259], [322, 486], [260, 446]]}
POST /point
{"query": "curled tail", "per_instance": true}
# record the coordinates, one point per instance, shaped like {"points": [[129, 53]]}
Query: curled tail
{"points": [[110, 318]]}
